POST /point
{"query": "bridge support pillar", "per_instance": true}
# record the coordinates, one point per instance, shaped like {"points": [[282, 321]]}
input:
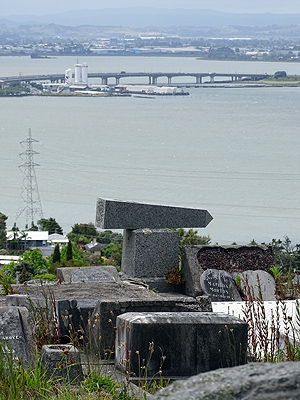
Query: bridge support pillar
{"points": [[198, 79], [150, 79], [117, 81], [104, 80], [154, 80], [212, 79], [169, 80]]}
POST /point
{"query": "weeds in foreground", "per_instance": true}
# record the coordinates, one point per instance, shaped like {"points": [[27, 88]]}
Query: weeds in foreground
{"points": [[45, 319], [275, 339], [18, 382], [6, 281], [144, 379]]}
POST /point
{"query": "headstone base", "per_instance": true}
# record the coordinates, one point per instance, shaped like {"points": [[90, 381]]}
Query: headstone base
{"points": [[149, 253], [191, 342]]}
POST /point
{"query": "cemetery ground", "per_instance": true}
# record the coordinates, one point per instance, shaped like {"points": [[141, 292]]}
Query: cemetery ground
{"points": [[102, 380], [75, 337]]}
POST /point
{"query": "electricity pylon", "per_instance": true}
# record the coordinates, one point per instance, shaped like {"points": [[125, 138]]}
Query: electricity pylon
{"points": [[30, 202]]}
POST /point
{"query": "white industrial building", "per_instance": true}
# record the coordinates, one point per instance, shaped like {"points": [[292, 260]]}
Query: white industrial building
{"points": [[79, 77]]}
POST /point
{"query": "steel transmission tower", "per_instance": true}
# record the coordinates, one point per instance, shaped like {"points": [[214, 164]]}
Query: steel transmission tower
{"points": [[30, 202]]}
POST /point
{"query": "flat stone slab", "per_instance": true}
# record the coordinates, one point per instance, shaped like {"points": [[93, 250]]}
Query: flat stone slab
{"points": [[266, 281], [88, 274], [114, 214], [11, 333], [263, 381], [219, 285], [91, 274], [191, 342]]}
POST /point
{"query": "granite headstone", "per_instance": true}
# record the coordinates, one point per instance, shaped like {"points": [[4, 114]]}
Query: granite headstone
{"points": [[12, 333], [219, 285]]}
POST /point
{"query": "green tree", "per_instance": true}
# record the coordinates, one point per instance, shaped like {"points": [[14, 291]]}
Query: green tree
{"points": [[284, 253], [69, 254], [35, 258], [108, 237], [114, 253], [87, 230], [76, 252], [56, 254], [3, 219], [280, 75], [50, 225], [24, 271], [191, 237]]}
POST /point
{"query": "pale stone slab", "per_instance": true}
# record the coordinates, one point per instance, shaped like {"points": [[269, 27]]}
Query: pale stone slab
{"points": [[107, 273], [91, 274], [267, 284]]}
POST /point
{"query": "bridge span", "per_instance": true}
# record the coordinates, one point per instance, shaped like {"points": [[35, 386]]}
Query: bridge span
{"points": [[152, 77]]}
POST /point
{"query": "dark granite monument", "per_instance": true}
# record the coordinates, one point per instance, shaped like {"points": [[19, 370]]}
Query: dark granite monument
{"points": [[219, 285], [150, 246], [186, 342], [12, 334]]}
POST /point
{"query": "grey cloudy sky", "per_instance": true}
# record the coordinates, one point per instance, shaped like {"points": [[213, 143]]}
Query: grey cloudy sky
{"points": [[40, 7]]}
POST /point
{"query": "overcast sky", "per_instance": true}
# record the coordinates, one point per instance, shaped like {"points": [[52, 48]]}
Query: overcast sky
{"points": [[40, 7]]}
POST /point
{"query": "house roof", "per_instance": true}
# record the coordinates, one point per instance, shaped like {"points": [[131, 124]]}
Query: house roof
{"points": [[30, 235], [57, 238], [93, 246]]}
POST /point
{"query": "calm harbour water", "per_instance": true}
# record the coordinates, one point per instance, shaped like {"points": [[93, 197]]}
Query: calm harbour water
{"points": [[232, 151]]}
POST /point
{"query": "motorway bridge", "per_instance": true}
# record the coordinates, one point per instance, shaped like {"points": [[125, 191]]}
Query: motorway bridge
{"points": [[152, 77]]}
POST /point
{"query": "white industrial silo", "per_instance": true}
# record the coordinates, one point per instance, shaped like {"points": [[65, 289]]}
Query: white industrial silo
{"points": [[84, 74], [68, 76], [78, 74]]}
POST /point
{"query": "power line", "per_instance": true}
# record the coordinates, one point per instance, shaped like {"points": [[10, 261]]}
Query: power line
{"points": [[30, 202]]}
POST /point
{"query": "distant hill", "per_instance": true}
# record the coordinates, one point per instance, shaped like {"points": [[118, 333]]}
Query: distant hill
{"points": [[146, 16]]}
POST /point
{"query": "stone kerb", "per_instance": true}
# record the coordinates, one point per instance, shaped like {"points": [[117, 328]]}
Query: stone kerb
{"points": [[197, 259], [192, 342], [150, 246]]}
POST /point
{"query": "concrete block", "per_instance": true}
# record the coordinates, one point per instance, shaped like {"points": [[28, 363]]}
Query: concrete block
{"points": [[192, 342], [114, 214], [149, 253], [62, 362]]}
